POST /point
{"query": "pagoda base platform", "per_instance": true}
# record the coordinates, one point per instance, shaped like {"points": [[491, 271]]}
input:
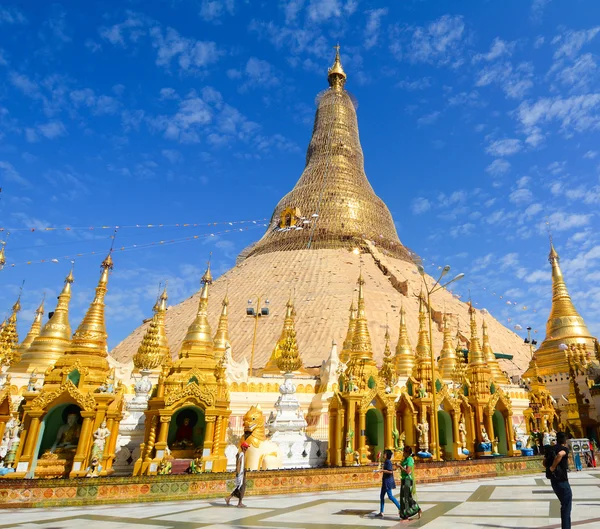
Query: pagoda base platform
{"points": [[94, 491]]}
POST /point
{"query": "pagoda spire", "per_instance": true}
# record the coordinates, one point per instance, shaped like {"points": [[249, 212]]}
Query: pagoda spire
{"points": [[333, 204], [475, 353], [287, 357], [490, 358], [9, 338], [222, 334], [478, 371], [271, 366], [336, 74], [448, 357], [423, 369], [154, 350], [347, 345], [53, 339], [35, 328], [565, 325], [90, 338], [361, 340], [404, 358], [388, 370], [198, 343]]}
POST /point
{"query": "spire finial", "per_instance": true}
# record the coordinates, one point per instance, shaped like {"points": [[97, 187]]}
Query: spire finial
{"points": [[336, 75]]}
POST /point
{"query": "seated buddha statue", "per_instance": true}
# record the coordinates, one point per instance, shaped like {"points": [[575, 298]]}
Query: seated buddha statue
{"points": [[68, 434], [184, 437]]}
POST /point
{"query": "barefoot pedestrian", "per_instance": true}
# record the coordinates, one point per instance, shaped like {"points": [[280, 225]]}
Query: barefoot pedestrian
{"points": [[557, 472], [387, 483], [408, 504], [240, 475]]}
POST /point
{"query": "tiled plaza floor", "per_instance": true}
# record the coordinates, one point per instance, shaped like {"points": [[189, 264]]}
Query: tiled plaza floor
{"points": [[513, 503]]}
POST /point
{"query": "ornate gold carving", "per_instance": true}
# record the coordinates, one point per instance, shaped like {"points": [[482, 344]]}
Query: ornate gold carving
{"points": [[86, 402], [206, 394]]}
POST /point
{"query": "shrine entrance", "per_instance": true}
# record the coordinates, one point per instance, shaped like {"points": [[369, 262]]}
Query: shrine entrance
{"points": [[186, 431], [500, 432], [53, 421], [374, 432], [446, 436]]}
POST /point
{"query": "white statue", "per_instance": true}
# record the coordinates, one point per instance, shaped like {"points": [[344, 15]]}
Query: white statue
{"points": [[546, 438], [32, 381], [68, 434], [100, 437], [234, 371], [5, 445], [423, 429], [484, 436], [462, 433]]}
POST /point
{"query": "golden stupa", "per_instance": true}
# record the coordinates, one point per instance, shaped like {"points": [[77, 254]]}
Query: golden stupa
{"points": [[564, 326], [327, 229]]}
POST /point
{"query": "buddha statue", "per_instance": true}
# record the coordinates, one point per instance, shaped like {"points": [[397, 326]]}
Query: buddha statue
{"points": [[184, 437], [68, 434]]}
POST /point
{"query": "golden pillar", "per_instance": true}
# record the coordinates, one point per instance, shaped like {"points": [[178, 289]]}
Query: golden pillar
{"points": [[83, 445], [490, 425], [456, 445], [210, 434], [32, 437], [362, 430], [389, 426], [163, 433], [341, 439]]}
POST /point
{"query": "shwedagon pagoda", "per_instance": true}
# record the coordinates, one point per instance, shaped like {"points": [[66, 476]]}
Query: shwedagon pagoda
{"points": [[357, 350]]}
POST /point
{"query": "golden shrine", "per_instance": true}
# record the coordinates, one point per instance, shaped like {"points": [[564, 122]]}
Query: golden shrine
{"points": [[64, 412]]}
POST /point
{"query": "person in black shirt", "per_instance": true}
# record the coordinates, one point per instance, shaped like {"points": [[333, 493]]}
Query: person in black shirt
{"points": [[560, 480]]}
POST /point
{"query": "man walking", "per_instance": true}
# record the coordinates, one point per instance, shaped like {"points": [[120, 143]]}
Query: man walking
{"points": [[559, 479], [240, 475]]}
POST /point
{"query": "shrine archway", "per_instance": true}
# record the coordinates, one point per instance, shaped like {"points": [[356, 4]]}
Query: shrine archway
{"points": [[374, 431], [187, 428], [52, 422], [446, 437], [500, 432]]}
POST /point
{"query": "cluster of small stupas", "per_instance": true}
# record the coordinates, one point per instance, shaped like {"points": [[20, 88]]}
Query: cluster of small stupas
{"points": [[179, 395]]}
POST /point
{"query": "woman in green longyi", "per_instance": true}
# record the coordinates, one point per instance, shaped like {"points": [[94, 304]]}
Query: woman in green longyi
{"points": [[408, 505]]}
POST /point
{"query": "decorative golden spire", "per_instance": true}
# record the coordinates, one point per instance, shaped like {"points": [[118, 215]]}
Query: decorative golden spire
{"points": [[347, 345], [54, 337], [198, 343], [9, 338], [388, 372], [35, 329], [361, 341], [90, 338], [336, 75], [287, 356], [149, 354], [564, 326], [163, 343], [272, 366], [423, 369], [476, 357], [332, 205], [490, 358], [222, 335], [405, 357], [2, 256], [448, 353]]}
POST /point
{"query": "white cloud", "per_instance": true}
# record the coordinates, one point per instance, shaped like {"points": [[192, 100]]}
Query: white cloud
{"points": [[213, 10], [462, 230], [499, 48], [560, 221], [515, 82], [521, 196], [442, 42], [538, 276], [570, 42], [506, 147], [537, 9], [172, 155], [291, 9], [10, 174], [190, 54], [420, 205], [99, 105], [428, 119], [533, 210], [11, 15], [323, 10], [524, 181], [577, 113], [417, 84], [129, 30], [3, 59], [590, 155], [498, 167], [556, 167], [52, 129], [373, 26], [259, 73]]}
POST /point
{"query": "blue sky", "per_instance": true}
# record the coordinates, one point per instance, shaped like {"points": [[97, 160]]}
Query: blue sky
{"points": [[479, 120]]}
